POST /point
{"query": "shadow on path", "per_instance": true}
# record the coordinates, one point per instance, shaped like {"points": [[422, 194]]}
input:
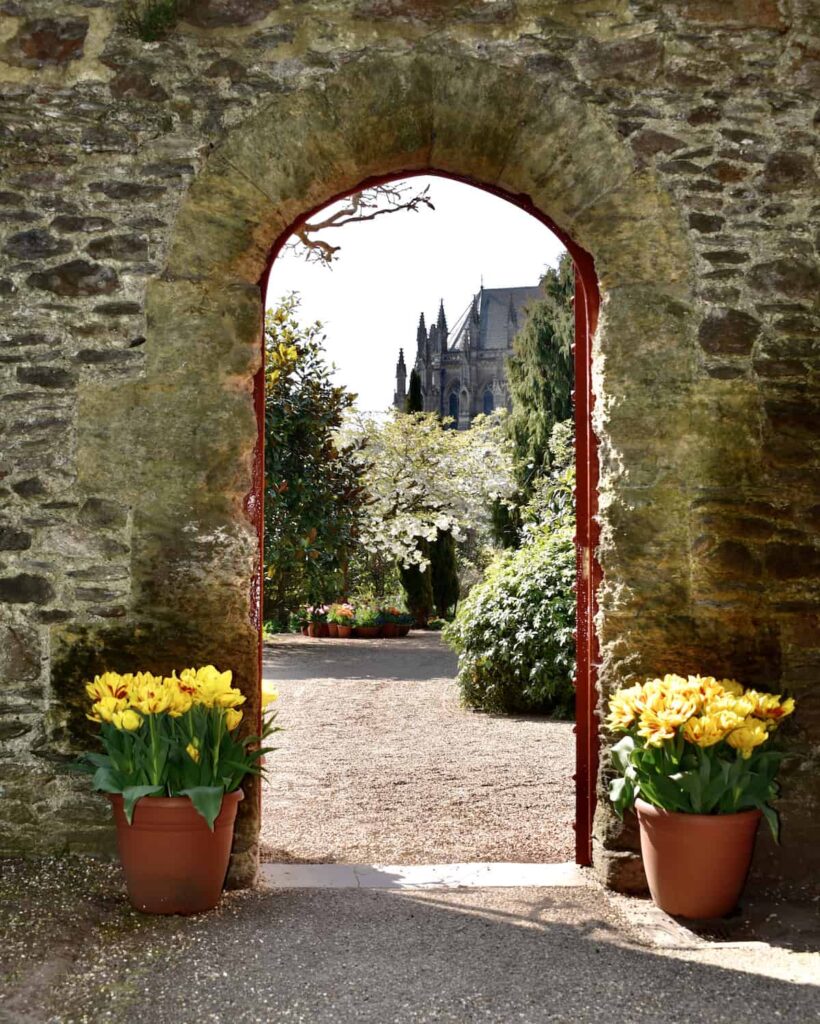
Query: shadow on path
{"points": [[419, 656]]}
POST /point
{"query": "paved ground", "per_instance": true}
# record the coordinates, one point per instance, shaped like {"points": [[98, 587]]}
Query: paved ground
{"points": [[73, 952], [380, 764]]}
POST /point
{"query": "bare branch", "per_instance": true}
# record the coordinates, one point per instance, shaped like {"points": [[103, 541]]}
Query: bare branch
{"points": [[361, 206]]}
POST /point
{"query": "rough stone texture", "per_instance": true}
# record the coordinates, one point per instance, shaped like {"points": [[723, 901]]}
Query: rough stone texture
{"points": [[675, 142]]}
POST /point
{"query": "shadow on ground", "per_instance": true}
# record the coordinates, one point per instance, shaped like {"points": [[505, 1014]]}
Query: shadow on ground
{"points": [[418, 656], [330, 956]]}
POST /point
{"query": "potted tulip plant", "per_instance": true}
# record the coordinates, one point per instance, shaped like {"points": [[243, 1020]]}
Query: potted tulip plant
{"points": [[172, 768], [697, 764]]}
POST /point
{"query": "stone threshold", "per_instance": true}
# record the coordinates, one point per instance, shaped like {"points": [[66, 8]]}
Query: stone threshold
{"points": [[420, 876]]}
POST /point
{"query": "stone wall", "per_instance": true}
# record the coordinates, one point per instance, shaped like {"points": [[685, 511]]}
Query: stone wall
{"points": [[143, 188]]}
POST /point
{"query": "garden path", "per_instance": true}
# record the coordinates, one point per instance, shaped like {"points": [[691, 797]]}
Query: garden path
{"points": [[380, 764]]}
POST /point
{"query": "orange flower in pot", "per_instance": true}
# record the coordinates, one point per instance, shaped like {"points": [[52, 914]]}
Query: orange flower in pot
{"points": [[697, 764], [173, 766]]}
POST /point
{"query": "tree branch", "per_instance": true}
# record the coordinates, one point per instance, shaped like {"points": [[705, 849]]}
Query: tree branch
{"points": [[362, 206]]}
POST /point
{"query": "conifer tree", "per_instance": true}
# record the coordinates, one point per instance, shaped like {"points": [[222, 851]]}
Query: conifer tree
{"points": [[418, 590], [444, 572], [414, 401], [540, 374]]}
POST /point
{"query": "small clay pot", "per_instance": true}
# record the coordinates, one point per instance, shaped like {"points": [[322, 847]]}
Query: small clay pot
{"points": [[332, 630], [324, 629], [314, 629], [173, 863], [696, 864], [344, 632], [390, 630], [404, 630], [368, 632]]}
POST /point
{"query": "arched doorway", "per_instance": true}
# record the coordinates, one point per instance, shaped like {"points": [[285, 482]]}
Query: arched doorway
{"points": [[374, 120]]}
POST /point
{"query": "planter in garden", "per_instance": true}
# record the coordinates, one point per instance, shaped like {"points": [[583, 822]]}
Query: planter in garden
{"points": [[173, 766], [696, 864], [332, 630], [344, 632], [698, 766], [403, 630], [173, 862], [390, 630], [323, 629], [368, 632], [315, 629]]}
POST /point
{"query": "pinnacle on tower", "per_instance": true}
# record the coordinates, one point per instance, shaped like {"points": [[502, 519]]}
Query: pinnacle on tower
{"points": [[441, 327], [400, 394], [441, 322], [421, 337]]}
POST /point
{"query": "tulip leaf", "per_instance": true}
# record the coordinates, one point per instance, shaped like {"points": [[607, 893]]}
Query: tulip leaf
{"points": [[207, 800], [131, 794], [105, 781]]}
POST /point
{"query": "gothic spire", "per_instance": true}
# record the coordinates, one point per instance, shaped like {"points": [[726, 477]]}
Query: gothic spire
{"points": [[441, 322], [400, 366]]}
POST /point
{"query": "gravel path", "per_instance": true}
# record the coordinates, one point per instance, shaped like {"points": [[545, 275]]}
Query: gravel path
{"points": [[380, 764]]}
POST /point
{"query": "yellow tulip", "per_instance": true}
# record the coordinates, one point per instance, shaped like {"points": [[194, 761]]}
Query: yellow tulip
{"points": [[268, 697], [751, 733], [127, 721], [192, 752], [769, 706], [109, 684], [708, 730], [214, 689], [181, 698], [104, 710], [232, 718], [150, 696]]}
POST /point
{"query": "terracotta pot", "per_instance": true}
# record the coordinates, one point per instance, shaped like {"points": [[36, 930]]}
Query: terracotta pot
{"points": [[332, 629], [390, 630], [344, 632], [173, 863], [324, 629], [305, 630], [368, 632], [404, 630], [313, 629], [696, 864]]}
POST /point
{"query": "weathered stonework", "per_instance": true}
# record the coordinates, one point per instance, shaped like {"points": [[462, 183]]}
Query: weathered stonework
{"points": [[144, 186]]}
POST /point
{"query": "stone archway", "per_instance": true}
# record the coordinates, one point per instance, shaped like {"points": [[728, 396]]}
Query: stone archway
{"points": [[192, 417]]}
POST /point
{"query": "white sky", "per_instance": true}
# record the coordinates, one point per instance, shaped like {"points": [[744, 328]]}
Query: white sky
{"points": [[391, 269]]}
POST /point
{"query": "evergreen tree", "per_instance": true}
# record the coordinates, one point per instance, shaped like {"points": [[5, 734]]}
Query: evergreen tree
{"points": [[414, 401], [540, 374], [444, 572], [418, 591]]}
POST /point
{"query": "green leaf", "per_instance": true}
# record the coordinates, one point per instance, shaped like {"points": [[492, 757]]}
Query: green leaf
{"points": [[207, 800], [131, 794], [772, 820], [105, 780]]}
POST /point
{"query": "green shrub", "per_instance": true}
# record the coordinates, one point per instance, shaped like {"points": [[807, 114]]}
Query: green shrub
{"points": [[514, 632]]}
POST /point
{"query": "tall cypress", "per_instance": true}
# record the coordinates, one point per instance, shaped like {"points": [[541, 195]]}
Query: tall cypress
{"points": [[444, 572], [414, 401]]}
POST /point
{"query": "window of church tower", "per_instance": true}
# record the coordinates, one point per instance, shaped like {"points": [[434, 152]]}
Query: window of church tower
{"points": [[489, 402], [453, 408]]}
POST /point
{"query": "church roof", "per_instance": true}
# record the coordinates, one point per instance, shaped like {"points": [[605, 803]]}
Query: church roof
{"points": [[496, 307]]}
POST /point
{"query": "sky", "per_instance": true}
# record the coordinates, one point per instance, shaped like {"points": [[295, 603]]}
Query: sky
{"points": [[393, 268]]}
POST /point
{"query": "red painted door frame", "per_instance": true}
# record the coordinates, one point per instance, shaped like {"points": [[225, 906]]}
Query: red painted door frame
{"points": [[587, 303]]}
